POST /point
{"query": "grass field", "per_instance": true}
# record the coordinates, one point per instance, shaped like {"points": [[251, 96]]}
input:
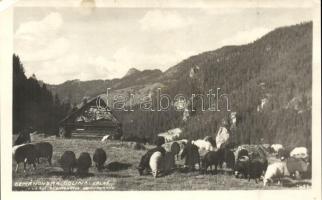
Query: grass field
{"points": [[47, 177]]}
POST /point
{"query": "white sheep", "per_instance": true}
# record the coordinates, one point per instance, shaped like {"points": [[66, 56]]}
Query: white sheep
{"points": [[275, 171], [155, 163], [171, 135], [203, 145], [299, 152], [277, 147]]}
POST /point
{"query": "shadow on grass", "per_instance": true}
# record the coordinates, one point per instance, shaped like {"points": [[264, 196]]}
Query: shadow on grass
{"points": [[117, 166]]}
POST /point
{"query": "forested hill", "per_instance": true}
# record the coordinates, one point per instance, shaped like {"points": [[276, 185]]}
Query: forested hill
{"points": [[275, 70], [268, 83]]}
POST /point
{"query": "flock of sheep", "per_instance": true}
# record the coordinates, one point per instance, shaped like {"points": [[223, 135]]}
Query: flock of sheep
{"points": [[30, 153], [247, 161]]}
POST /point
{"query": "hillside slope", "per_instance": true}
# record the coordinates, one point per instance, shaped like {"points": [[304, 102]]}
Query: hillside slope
{"points": [[268, 83], [74, 91]]}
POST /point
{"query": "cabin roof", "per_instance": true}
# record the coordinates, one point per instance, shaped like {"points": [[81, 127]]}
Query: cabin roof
{"points": [[100, 100]]}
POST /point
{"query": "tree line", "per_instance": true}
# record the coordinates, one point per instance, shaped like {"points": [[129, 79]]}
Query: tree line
{"points": [[34, 106]]}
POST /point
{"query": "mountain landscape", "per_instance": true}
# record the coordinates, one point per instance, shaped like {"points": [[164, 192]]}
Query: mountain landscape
{"points": [[268, 84]]}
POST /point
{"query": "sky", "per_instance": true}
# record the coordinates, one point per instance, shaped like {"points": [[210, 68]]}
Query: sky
{"points": [[90, 42]]}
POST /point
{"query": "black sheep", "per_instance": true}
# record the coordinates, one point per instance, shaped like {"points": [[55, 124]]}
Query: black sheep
{"points": [[213, 158], [251, 168], [242, 166], [26, 153], [175, 149], [255, 170], [191, 154], [99, 158], [68, 161], [145, 159], [44, 150], [84, 162]]}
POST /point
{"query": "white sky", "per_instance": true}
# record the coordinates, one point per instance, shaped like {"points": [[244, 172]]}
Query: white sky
{"points": [[59, 43]]}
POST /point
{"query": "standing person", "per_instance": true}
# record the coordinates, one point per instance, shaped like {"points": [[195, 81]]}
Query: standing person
{"points": [[222, 137]]}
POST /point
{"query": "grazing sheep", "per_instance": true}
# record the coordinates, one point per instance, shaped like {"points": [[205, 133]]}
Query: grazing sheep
{"points": [[155, 163], [99, 157], [25, 153], [298, 167], [167, 163], [175, 149], [299, 152], [84, 162], [283, 154], [212, 158], [191, 153], [276, 147], [251, 166], [203, 145], [145, 159], [44, 150], [68, 161], [171, 135], [275, 170], [242, 166], [256, 168]]}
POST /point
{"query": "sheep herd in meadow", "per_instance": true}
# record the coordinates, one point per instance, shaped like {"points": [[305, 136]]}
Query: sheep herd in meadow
{"points": [[244, 161]]}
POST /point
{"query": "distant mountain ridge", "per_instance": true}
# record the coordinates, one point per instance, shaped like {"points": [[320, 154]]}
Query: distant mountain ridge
{"points": [[179, 74], [275, 69], [75, 90], [131, 71]]}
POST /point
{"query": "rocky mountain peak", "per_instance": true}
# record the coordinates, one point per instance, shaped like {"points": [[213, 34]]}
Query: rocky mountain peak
{"points": [[131, 71]]}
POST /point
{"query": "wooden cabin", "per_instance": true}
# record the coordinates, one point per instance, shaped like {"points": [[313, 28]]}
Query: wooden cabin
{"points": [[91, 117]]}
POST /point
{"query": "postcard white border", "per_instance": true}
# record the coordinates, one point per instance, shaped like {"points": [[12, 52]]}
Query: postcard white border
{"points": [[6, 50]]}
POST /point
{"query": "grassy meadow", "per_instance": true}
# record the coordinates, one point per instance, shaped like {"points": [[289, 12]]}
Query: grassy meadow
{"points": [[126, 178]]}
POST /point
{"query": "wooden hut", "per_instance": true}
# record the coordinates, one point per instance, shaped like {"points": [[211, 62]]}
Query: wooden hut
{"points": [[91, 116]]}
